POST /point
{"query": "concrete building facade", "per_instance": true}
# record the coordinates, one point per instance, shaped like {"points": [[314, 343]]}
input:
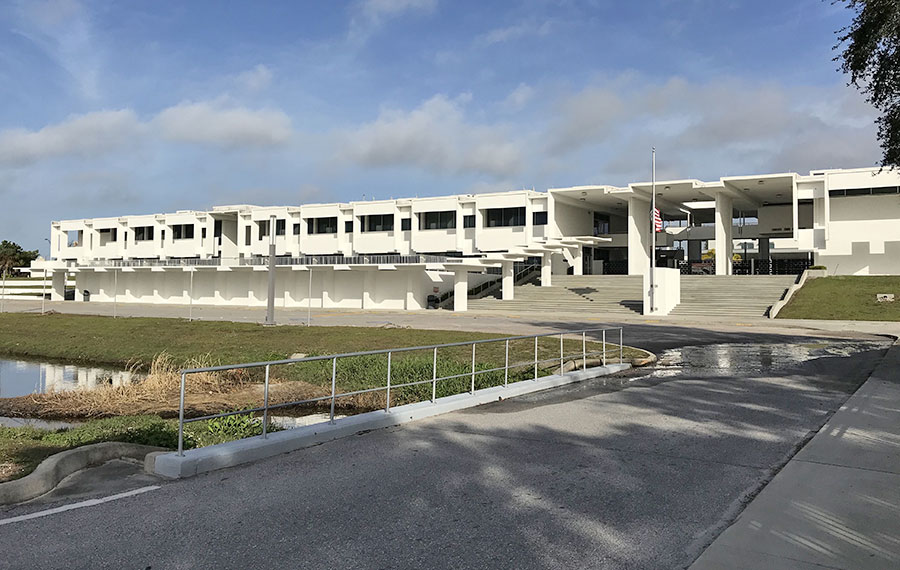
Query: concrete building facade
{"points": [[394, 254]]}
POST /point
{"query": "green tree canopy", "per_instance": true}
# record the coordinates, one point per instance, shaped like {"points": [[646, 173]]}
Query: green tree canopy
{"points": [[871, 57], [12, 255]]}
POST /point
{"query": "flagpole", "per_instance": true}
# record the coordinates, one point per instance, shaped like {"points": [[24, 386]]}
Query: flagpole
{"points": [[653, 231]]}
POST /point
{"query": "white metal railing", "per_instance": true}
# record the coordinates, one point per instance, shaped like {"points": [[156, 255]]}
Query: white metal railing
{"points": [[285, 260], [433, 380]]}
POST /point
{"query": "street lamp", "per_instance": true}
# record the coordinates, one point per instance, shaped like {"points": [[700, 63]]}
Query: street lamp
{"points": [[270, 301]]}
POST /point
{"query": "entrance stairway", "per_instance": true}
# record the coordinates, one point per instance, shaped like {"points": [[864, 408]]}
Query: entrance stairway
{"points": [[730, 295], [597, 294]]}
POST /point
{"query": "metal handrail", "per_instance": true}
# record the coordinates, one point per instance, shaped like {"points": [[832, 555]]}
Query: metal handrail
{"points": [[473, 373]]}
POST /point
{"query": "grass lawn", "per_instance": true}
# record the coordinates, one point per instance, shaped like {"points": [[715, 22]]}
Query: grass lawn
{"points": [[845, 298]]}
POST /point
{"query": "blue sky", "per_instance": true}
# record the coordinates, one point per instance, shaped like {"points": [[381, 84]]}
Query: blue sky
{"points": [[115, 108]]}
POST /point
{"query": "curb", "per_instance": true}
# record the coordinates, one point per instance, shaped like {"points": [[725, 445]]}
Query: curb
{"points": [[60, 465], [232, 453]]}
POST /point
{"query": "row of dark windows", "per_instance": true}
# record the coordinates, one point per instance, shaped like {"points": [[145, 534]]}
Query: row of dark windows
{"points": [[880, 191]]}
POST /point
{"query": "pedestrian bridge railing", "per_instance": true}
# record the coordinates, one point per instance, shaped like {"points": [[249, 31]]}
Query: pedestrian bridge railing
{"points": [[571, 346]]}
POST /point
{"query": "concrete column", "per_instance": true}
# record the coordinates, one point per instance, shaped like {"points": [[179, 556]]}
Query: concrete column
{"points": [[461, 290], [508, 282], [413, 282], [58, 286], [80, 284], [638, 236], [694, 252], [724, 240], [327, 288], [764, 249], [546, 269], [578, 262], [368, 286]]}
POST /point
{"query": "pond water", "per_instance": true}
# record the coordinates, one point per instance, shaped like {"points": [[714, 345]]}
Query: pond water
{"points": [[23, 377]]}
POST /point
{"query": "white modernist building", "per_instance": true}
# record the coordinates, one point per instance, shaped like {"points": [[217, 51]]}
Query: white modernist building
{"points": [[394, 254]]}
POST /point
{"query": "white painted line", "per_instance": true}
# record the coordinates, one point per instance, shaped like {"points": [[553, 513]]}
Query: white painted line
{"points": [[88, 503]]}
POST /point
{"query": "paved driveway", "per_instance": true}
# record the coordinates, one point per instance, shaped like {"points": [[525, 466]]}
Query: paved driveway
{"points": [[637, 471]]}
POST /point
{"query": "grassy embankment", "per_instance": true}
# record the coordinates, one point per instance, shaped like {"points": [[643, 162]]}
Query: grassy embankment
{"points": [[160, 347], [845, 298]]}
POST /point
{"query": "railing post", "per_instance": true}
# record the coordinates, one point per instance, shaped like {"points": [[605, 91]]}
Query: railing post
{"points": [[181, 418], [434, 378], [387, 405], [333, 382], [603, 360], [561, 371], [535, 357], [506, 367], [472, 391], [621, 349], [266, 405], [583, 350]]}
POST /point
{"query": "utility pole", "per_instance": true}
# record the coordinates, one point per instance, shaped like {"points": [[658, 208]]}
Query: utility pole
{"points": [[653, 231], [270, 300]]}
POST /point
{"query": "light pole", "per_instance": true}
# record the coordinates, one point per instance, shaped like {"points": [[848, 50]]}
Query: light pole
{"points": [[653, 230], [270, 300]]}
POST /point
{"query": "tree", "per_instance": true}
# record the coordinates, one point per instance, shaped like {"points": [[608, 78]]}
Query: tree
{"points": [[12, 255], [871, 57]]}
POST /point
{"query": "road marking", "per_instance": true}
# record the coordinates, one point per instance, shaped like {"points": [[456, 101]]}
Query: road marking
{"points": [[88, 503]]}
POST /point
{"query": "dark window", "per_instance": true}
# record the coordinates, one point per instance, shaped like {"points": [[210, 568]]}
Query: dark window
{"points": [[437, 220], [248, 235], [884, 190], [348, 227], [143, 233], [504, 217], [280, 226], [601, 224], [858, 191], [183, 231], [378, 223], [321, 225], [203, 233], [406, 224], [296, 229], [539, 218], [469, 221], [162, 235], [217, 228]]}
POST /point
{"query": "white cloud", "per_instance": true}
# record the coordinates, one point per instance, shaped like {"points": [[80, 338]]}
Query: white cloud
{"points": [[514, 32], [213, 124], [256, 79], [518, 97], [64, 31], [434, 136], [369, 15], [88, 135]]}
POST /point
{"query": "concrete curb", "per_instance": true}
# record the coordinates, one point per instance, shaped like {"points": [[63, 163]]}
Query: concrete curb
{"points": [[59, 466], [205, 459]]}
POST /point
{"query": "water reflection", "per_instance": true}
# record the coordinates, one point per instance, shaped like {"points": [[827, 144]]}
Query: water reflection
{"points": [[21, 377]]}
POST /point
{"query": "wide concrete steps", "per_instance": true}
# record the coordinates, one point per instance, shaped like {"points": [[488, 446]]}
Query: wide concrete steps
{"points": [[730, 296], [598, 294]]}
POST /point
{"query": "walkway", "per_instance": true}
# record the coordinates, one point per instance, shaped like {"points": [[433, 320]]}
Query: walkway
{"points": [[836, 504]]}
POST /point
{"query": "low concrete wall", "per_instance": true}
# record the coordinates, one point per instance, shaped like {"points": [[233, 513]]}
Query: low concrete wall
{"points": [[196, 461], [667, 289], [59, 466], [807, 274]]}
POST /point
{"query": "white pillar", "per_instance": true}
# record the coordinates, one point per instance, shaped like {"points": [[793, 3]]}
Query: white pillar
{"points": [[724, 241], [638, 236], [368, 286], [578, 261], [508, 282], [461, 290], [58, 285], [413, 283], [546, 269], [327, 288]]}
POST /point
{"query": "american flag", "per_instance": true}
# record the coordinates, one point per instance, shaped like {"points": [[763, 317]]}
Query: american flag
{"points": [[657, 220]]}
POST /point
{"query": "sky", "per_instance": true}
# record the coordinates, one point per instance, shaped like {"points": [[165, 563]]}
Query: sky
{"points": [[116, 108]]}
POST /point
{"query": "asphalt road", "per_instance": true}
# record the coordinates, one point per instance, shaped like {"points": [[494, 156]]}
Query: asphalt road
{"points": [[637, 471]]}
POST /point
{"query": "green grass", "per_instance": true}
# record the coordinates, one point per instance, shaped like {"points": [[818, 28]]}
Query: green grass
{"points": [[845, 298], [94, 340], [23, 448]]}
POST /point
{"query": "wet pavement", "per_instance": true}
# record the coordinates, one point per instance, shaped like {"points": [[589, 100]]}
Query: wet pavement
{"points": [[641, 470]]}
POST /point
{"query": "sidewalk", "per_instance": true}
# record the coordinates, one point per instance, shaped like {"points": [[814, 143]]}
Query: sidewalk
{"points": [[836, 504]]}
